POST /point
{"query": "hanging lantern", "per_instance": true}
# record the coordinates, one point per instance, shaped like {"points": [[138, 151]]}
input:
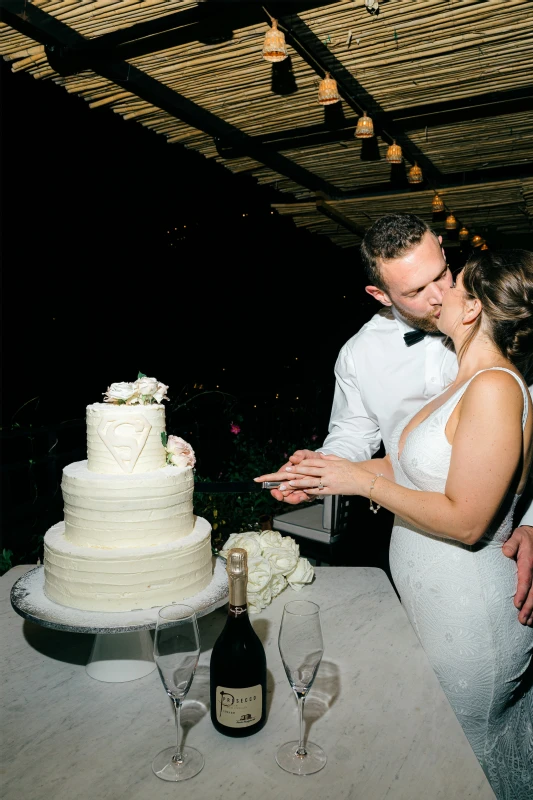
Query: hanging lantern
{"points": [[415, 174], [477, 240], [274, 48], [394, 153], [464, 233], [437, 204], [327, 91], [365, 127], [450, 223], [484, 246]]}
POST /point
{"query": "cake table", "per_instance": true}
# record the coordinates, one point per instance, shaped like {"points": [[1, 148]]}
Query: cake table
{"points": [[123, 647]]}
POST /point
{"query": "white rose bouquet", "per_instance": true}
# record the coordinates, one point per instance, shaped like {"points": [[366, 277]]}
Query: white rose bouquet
{"points": [[274, 562]]}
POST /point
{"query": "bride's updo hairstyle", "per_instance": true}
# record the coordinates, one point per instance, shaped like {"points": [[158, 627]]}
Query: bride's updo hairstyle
{"points": [[503, 282]]}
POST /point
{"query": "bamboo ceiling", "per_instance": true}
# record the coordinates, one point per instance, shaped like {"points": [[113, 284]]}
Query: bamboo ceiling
{"points": [[449, 80]]}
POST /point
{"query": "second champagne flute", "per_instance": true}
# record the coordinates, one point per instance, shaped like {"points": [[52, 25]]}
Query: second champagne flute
{"points": [[301, 648], [176, 653]]}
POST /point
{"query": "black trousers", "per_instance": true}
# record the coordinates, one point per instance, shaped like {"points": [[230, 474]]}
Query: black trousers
{"points": [[365, 543]]}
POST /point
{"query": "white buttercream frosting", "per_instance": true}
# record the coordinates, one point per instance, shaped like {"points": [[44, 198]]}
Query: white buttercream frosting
{"points": [[125, 439], [127, 578], [129, 539], [117, 511]]}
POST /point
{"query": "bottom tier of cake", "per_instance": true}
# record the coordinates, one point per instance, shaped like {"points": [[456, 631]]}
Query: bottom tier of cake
{"points": [[96, 579]]}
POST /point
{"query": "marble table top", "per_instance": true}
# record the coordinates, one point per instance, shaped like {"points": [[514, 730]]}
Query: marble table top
{"points": [[376, 708]]}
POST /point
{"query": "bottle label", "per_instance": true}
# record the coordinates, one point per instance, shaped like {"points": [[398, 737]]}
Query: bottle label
{"points": [[239, 708]]}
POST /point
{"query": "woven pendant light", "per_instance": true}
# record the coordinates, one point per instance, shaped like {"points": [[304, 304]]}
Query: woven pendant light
{"points": [[415, 174], [394, 153], [327, 91], [365, 127], [450, 223], [274, 48], [437, 204], [477, 240], [464, 233]]}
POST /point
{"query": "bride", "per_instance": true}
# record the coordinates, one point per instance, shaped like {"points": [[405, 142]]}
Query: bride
{"points": [[454, 473]]}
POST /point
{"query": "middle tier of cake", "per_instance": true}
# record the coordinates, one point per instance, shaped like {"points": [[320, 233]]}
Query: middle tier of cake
{"points": [[124, 511]]}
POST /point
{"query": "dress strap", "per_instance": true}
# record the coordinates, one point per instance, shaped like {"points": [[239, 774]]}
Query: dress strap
{"points": [[525, 392]]}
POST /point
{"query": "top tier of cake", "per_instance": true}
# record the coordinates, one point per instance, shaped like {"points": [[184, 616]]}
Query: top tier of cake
{"points": [[124, 439]]}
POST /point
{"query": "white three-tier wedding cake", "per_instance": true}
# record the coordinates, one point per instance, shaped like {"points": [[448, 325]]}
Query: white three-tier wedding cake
{"points": [[129, 539]]}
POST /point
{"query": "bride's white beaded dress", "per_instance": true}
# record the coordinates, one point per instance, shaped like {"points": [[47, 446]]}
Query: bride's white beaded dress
{"points": [[459, 599]]}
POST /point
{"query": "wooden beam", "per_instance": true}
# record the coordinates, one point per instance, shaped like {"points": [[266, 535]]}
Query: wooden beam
{"points": [[322, 60], [339, 218], [416, 118], [55, 35]]}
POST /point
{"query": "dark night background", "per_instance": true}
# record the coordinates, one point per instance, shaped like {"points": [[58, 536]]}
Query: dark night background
{"points": [[93, 291], [122, 253]]}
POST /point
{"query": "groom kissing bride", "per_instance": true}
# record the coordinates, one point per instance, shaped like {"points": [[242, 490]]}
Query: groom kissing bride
{"points": [[457, 428]]}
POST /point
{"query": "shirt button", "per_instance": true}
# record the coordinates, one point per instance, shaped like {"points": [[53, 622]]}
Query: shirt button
{"points": [[432, 380]]}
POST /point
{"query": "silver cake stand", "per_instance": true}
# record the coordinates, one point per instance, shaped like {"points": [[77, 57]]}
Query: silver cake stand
{"points": [[113, 658]]}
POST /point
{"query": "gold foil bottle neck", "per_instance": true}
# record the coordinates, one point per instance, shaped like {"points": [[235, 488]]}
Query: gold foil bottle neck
{"points": [[237, 569], [237, 562]]}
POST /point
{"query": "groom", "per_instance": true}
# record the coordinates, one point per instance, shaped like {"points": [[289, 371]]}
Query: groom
{"points": [[399, 360]]}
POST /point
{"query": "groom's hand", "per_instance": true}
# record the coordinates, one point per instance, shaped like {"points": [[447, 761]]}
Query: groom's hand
{"points": [[520, 546], [289, 495]]}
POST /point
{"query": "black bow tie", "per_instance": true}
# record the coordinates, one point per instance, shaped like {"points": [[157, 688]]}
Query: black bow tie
{"points": [[412, 337]]}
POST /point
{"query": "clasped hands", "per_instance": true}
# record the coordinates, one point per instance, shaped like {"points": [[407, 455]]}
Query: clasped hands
{"points": [[308, 474]]}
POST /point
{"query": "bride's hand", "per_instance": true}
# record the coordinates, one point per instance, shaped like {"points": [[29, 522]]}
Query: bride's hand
{"points": [[329, 475]]}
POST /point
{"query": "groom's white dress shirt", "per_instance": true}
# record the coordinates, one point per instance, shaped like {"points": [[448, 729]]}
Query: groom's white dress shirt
{"points": [[379, 380]]}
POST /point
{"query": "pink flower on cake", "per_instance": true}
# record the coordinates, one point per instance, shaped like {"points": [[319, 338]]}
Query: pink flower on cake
{"points": [[119, 393], [235, 429], [179, 452]]}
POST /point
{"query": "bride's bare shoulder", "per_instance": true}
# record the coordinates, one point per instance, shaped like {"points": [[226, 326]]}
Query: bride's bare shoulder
{"points": [[496, 387]]}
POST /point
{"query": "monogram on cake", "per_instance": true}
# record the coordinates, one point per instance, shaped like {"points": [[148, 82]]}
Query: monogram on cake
{"points": [[129, 539]]}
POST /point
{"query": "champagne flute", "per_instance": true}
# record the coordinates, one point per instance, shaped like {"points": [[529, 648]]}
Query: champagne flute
{"points": [[301, 648], [176, 653]]}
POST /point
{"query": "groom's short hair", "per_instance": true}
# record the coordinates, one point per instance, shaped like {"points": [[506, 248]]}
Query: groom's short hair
{"points": [[390, 237]]}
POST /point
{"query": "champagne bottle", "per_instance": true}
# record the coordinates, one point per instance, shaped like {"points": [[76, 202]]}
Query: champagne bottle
{"points": [[238, 663]]}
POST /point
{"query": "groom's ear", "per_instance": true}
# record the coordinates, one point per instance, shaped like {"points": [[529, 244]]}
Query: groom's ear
{"points": [[379, 295]]}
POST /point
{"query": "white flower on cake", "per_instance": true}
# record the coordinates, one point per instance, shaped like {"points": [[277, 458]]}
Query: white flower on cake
{"points": [[161, 393], [146, 386], [179, 452], [144, 391], [119, 393], [273, 563]]}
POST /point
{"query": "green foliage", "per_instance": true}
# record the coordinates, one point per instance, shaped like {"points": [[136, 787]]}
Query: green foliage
{"points": [[234, 513], [5, 560], [235, 438], [141, 375], [164, 438]]}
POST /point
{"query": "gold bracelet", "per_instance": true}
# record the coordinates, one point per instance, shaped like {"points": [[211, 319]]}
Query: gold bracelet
{"points": [[375, 508]]}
